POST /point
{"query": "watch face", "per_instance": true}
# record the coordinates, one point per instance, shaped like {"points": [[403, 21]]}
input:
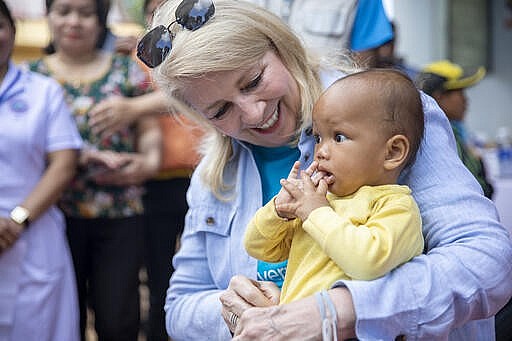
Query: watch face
{"points": [[19, 215]]}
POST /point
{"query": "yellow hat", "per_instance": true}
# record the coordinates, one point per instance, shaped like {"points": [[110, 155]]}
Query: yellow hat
{"points": [[455, 76]]}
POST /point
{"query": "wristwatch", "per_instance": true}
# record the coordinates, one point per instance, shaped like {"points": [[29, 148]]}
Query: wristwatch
{"points": [[20, 215]]}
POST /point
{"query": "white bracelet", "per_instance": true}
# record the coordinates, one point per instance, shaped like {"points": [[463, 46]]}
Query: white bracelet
{"points": [[324, 321], [334, 314], [329, 324]]}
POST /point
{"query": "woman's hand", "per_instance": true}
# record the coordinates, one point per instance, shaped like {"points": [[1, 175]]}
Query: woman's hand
{"points": [[125, 44], [106, 159], [9, 233], [107, 167], [112, 114], [133, 170], [244, 293], [299, 320]]}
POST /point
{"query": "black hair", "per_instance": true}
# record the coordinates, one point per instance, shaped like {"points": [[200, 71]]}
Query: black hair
{"points": [[7, 13], [102, 8], [430, 82]]}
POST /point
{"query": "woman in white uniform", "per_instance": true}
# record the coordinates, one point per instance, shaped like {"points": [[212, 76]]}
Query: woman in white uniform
{"points": [[39, 146]]}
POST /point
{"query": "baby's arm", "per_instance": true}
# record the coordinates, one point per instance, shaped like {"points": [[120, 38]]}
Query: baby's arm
{"points": [[269, 233], [365, 250], [268, 237]]}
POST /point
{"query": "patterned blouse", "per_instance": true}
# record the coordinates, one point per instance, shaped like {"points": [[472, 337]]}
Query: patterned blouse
{"points": [[84, 198]]}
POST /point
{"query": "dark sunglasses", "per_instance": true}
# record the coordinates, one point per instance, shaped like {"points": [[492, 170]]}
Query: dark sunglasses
{"points": [[157, 43]]}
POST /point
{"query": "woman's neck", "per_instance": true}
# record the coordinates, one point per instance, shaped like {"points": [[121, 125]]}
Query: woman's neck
{"points": [[76, 60], [78, 70]]}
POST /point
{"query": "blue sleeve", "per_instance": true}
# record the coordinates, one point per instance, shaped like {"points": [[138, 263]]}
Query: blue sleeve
{"points": [[371, 28], [211, 251], [192, 306], [463, 279]]}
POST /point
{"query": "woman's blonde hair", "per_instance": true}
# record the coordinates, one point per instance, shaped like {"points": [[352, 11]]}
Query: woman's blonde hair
{"points": [[238, 35]]}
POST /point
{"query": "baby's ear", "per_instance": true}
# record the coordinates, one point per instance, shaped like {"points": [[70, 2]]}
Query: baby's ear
{"points": [[397, 150]]}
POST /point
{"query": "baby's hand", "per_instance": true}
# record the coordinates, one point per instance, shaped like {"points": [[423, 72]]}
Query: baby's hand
{"points": [[317, 175], [304, 200], [283, 197]]}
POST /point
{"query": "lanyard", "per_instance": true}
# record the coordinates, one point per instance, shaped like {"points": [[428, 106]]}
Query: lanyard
{"points": [[4, 96]]}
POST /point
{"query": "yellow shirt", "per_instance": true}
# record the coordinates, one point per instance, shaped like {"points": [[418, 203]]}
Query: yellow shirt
{"points": [[362, 236]]}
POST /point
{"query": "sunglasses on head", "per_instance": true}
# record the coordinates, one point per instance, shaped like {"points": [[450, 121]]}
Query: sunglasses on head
{"points": [[157, 43]]}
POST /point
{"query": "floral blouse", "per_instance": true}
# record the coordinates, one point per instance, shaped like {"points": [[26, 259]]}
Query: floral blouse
{"points": [[84, 198]]}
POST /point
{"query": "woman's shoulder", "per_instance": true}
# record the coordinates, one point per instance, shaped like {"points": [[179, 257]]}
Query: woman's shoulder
{"points": [[35, 65], [122, 58], [35, 73], [200, 187], [131, 70], [124, 61]]}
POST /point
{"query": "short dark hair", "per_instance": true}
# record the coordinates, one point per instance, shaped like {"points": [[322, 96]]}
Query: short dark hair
{"points": [[402, 101], [430, 82], [6, 12]]}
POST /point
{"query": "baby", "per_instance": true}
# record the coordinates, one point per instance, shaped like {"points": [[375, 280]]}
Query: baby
{"points": [[345, 217]]}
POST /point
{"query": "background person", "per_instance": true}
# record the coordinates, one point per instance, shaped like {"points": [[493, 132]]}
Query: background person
{"points": [[246, 74], [164, 199], [446, 83], [103, 204], [387, 57], [336, 27], [348, 224], [39, 146]]}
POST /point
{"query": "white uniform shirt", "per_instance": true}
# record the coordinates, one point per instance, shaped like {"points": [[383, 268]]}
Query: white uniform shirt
{"points": [[37, 285]]}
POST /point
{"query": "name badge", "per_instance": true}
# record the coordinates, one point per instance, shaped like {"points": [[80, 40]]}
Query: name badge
{"points": [[19, 105]]}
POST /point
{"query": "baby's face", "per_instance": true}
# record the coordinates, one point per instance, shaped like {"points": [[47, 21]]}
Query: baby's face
{"points": [[350, 143]]}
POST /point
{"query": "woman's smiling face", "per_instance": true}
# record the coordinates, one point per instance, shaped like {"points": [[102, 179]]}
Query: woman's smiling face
{"points": [[74, 25], [258, 104]]}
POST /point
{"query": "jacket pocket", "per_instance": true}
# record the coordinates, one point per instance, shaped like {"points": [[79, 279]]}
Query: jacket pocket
{"points": [[214, 219]]}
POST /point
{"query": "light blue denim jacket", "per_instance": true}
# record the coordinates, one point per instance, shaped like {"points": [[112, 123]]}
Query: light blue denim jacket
{"points": [[464, 275]]}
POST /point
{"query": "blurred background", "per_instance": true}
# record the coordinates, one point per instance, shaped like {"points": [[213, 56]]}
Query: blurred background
{"points": [[470, 33]]}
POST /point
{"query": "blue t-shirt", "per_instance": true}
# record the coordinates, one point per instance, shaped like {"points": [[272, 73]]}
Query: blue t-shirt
{"points": [[273, 165]]}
